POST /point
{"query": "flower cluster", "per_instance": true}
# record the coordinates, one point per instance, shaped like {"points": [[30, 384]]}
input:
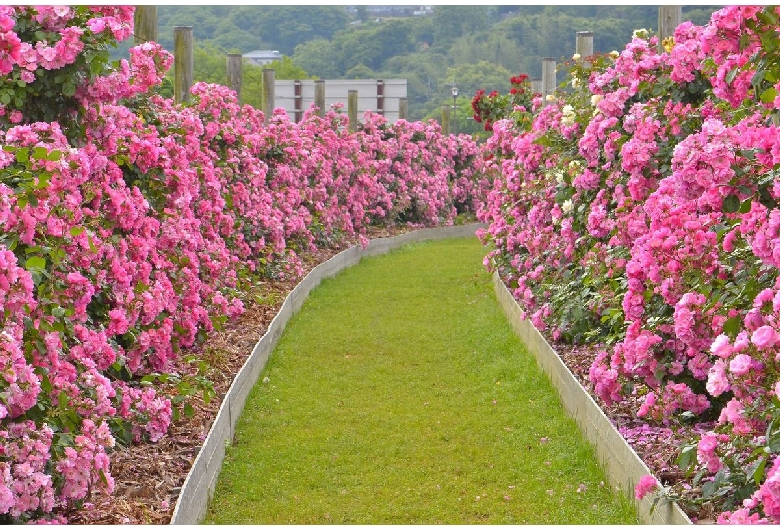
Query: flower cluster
{"points": [[519, 103], [639, 212], [129, 237]]}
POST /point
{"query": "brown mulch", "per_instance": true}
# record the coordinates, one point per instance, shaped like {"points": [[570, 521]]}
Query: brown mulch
{"points": [[658, 447], [148, 476]]}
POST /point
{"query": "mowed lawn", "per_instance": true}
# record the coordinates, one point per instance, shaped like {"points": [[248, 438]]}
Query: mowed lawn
{"points": [[400, 395]]}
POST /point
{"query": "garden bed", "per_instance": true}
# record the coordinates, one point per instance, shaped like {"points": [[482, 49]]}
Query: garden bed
{"points": [[658, 447]]}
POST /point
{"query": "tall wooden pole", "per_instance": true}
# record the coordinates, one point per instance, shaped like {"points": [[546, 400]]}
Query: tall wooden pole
{"points": [[445, 119], [669, 17], [319, 97], [182, 63], [536, 85], [548, 78], [145, 24], [403, 109], [269, 92], [352, 109], [235, 76], [584, 43]]}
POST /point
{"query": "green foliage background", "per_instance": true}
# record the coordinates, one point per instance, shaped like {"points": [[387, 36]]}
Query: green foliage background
{"points": [[475, 47]]}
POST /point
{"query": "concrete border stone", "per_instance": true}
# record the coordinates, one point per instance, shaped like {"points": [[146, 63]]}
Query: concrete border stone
{"points": [[198, 487], [622, 465]]}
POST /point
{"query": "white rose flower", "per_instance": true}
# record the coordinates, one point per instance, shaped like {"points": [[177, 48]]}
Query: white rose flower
{"points": [[568, 116], [595, 98], [576, 57], [567, 206]]}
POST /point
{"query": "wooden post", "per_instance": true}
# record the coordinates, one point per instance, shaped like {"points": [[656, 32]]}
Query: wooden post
{"points": [[584, 43], [182, 63], [445, 119], [269, 92], [319, 97], [403, 108], [352, 109], [536, 85], [669, 17], [548, 78], [235, 73], [145, 24]]}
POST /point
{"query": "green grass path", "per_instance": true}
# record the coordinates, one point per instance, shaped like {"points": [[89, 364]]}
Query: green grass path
{"points": [[400, 395]]}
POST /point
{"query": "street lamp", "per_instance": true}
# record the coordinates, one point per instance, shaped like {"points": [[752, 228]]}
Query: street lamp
{"points": [[454, 108]]}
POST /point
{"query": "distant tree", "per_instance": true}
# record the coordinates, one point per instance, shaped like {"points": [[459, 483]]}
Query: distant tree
{"points": [[286, 68], [422, 32], [209, 64], [507, 10], [424, 72], [360, 71], [286, 26], [239, 40], [317, 58], [482, 75], [372, 44], [264, 27], [487, 46], [203, 19], [468, 78], [699, 15], [361, 13], [451, 22]]}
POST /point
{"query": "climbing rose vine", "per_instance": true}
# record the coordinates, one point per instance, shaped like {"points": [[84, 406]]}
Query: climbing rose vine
{"points": [[130, 226], [638, 213]]}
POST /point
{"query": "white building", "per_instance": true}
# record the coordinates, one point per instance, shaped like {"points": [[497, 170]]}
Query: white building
{"points": [[263, 57], [382, 96]]}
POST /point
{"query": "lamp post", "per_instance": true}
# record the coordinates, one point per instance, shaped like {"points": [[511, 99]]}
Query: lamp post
{"points": [[454, 108]]}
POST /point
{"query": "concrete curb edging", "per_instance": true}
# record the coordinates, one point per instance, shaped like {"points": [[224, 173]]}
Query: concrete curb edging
{"points": [[199, 485], [622, 465]]}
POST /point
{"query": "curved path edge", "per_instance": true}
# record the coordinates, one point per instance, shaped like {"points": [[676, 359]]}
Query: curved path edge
{"points": [[199, 485], [622, 465]]}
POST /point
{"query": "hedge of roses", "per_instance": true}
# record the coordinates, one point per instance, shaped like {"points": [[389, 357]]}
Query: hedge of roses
{"points": [[638, 212], [130, 226]]}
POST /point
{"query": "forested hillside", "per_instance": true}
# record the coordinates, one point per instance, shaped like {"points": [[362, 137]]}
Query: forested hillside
{"points": [[471, 46]]}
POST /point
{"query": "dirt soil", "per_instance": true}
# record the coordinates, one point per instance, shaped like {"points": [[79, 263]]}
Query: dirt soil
{"points": [[148, 476]]}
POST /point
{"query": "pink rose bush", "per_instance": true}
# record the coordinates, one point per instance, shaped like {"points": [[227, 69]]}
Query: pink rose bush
{"points": [[130, 227], [638, 212]]}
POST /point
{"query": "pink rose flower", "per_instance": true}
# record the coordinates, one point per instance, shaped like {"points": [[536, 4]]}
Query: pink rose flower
{"points": [[647, 484], [764, 337], [721, 346], [717, 382], [741, 364]]}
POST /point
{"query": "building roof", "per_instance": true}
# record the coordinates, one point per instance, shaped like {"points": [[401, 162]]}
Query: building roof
{"points": [[263, 54]]}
